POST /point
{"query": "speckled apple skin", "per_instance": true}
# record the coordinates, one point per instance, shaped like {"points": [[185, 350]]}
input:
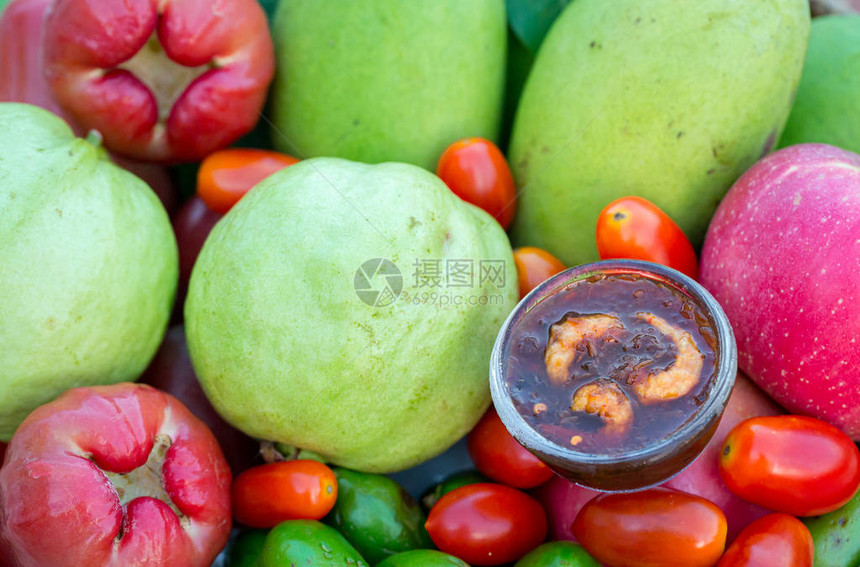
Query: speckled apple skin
{"points": [[782, 256]]}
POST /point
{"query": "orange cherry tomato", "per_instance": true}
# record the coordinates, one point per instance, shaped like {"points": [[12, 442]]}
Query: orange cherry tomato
{"points": [[535, 266], [633, 227], [657, 526], [487, 524], [789, 463], [266, 495], [500, 457], [477, 172], [776, 540], [225, 176]]}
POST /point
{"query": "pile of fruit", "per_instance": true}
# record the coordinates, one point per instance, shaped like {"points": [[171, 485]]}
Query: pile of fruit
{"points": [[255, 254]]}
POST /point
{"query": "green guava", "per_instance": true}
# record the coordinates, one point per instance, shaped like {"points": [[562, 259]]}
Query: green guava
{"points": [[350, 310], [387, 80], [88, 265]]}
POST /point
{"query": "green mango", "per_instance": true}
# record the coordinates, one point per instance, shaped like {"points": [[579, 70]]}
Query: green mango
{"points": [[88, 265], [558, 554], [300, 333], [376, 515], [387, 80], [423, 558], [247, 550], [308, 542], [837, 536], [667, 99], [827, 107]]}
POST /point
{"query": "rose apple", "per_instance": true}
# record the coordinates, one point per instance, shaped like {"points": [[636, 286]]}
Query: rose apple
{"points": [[162, 80], [22, 80], [114, 475], [192, 224], [782, 256], [563, 499], [171, 372]]}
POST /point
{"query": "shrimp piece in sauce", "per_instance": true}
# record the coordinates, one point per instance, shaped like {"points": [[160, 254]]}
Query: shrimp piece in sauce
{"points": [[681, 376], [605, 398], [566, 335]]}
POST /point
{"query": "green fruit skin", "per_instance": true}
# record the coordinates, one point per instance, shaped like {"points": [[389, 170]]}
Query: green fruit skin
{"points": [[837, 536], [423, 558], [286, 351], [453, 482], [387, 80], [558, 554], [377, 516], [308, 542], [612, 108], [88, 265], [247, 550], [827, 107]]}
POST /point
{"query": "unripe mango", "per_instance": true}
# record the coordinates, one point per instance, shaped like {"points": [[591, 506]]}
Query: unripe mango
{"points": [[387, 80], [667, 99]]}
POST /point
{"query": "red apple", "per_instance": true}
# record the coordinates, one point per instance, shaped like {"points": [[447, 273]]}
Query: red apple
{"points": [[171, 372], [782, 256], [563, 499], [162, 80], [114, 475], [23, 80]]}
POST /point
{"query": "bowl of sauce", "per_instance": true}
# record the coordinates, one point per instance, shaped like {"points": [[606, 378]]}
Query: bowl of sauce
{"points": [[614, 373]]}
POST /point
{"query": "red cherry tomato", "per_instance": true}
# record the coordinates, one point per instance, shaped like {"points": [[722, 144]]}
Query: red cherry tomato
{"points": [[487, 524], [266, 495], [790, 463], [776, 540], [225, 176], [658, 526], [500, 457], [633, 227], [534, 266], [477, 172]]}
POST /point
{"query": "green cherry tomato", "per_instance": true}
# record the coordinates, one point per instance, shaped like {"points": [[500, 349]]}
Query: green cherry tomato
{"points": [[423, 558], [558, 554], [377, 515], [308, 542], [247, 549]]}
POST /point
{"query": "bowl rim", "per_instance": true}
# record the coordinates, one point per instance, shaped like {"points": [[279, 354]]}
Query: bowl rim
{"points": [[718, 395]]}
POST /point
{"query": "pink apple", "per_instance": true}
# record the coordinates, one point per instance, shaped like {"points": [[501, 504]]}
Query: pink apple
{"points": [[563, 499], [114, 475], [782, 256]]}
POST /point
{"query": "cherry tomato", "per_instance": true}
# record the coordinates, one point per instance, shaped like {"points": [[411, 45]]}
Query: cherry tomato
{"points": [[534, 266], [776, 540], [477, 172], [500, 457], [266, 495], [657, 526], [633, 227], [225, 176], [487, 524], [790, 463]]}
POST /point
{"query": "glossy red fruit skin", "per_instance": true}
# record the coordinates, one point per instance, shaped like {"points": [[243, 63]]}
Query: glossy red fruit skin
{"points": [[171, 371], [794, 464], [58, 507], [633, 227], [266, 495], [477, 172], [657, 527], [501, 458], [534, 266], [227, 175], [87, 44], [192, 224], [22, 80], [776, 540], [487, 524]]}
